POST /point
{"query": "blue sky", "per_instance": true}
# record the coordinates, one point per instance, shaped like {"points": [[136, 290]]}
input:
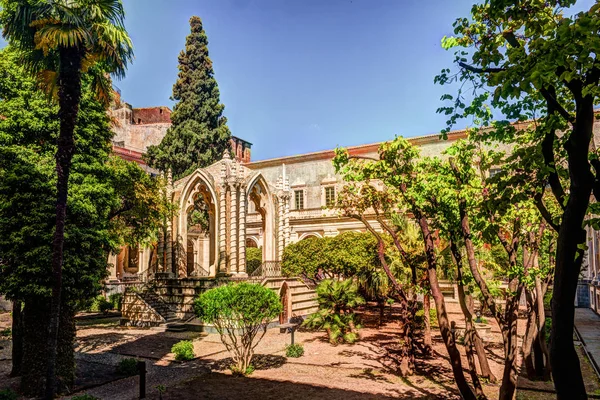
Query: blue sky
{"points": [[304, 75], [301, 76]]}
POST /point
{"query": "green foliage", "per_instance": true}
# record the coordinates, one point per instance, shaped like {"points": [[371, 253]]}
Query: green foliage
{"points": [[127, 367], [237, 371], [240, 313], [184, 350], [116, 299], [8, 394], [43, 32], [109, 199], [253, 259], [199, 135], [6, 332], [344, 255], [336, 301], [295, 350]]}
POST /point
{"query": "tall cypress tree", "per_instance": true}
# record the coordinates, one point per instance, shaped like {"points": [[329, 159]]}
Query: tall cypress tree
{"points": [[199, 134]]}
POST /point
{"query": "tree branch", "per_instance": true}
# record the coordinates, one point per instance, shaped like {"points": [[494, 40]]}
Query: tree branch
{"points": [[539, 203]]}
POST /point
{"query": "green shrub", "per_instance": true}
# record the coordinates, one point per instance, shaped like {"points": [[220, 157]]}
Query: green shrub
{"points": [[253, 259], [8, 394], [84, 397], [98, 304], [336, 300], [240, 313], [116, 300], [294, 350], [6, 332], [127, 367], [433, 320], [183, 350]]}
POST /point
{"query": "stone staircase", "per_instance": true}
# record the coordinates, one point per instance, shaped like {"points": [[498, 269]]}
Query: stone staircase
{"points": [[171, 322]]}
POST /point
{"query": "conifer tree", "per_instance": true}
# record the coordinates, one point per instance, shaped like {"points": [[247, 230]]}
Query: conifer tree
{"points": [[199, 134]]}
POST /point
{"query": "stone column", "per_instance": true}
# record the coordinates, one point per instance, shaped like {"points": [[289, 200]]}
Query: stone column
{"points": [[169, 238], [242, 233], [205, 243], [280, 235], [233, 232], [222, 231], [112, 260], [286, 220]]}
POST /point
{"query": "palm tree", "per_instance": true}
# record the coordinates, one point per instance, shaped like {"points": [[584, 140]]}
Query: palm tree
{"points": [[59, 40]]}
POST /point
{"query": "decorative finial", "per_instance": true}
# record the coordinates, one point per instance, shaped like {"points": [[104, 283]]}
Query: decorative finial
{"points": [[226, 155]]}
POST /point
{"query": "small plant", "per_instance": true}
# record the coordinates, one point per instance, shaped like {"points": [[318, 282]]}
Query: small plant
{"points": [[116, 299], [127, 367], [84, 397], [294, 350], [242, 372], [183, 350], [8, 394], [336, 301], [160, 389], [6, 332]]}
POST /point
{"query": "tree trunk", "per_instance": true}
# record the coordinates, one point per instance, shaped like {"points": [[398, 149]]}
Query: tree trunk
{"points": [[531, 333], [509, 336], [467, 307], [35, 317], [542, 363], [381, 305], [443, 322], [427, 319], [69, 95], [566, 370], [17, 338], [469, 333]]}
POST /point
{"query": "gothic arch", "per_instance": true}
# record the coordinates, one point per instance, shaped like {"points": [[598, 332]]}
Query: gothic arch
{"points": [[258, 192], [200, 183]]}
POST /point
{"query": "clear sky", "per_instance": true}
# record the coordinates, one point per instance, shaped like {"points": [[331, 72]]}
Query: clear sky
{"points": [[303, 75]]}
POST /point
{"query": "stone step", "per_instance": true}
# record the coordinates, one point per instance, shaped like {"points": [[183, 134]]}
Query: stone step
{"points": [[176, 327]]}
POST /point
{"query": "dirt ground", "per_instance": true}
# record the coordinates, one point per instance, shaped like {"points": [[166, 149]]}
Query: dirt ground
{"points": [[365, 370]]}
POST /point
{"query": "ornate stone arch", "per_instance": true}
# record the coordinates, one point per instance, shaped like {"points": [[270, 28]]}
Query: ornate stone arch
{"points": [[200, 183], [258, 191]]}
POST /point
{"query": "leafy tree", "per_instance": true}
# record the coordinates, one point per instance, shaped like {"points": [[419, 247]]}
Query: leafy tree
{"points": [[199, 134], [337, 299], [253, 259], [59, 41], [110, 203], [240, 313], [393, 183], [529, 61]]}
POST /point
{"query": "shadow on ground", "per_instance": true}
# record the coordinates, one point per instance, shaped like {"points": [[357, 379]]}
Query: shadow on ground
{"points": [[216, 386]]}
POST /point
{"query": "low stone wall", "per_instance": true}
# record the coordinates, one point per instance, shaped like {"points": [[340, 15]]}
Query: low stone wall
{"points": [[136, 312]]}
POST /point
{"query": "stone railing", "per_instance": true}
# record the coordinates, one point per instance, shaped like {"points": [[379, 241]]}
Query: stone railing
{"points": [[268, 269], [313, 213]]}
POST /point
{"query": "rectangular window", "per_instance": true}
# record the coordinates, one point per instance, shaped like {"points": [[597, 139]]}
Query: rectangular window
{"points": [[330, 196], [299, 199]]}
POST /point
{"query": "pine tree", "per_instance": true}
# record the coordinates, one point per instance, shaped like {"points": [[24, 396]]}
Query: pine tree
{"points": [[199, 134]]}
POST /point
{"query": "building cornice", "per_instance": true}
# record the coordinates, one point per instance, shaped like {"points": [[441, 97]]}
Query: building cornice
{"points": [[353, 150]]}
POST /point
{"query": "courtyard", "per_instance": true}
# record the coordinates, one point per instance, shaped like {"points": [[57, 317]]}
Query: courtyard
{"points": [[364, 370]]}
